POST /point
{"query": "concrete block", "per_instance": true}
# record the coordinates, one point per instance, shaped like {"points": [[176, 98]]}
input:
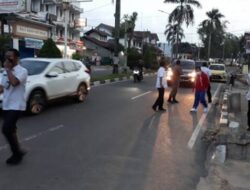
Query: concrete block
{"points": [[224, 115], [97, 83], [107, 81], [124, 78], [117, 79], [224, 108], [223, 122], [219, 155]]}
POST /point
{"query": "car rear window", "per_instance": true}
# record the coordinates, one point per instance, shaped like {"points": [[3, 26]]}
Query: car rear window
{"points": [[217, 67], [189, 65], [34, 67]]}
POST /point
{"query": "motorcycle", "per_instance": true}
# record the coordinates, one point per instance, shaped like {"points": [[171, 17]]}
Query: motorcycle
{"points": [[137, 75]]}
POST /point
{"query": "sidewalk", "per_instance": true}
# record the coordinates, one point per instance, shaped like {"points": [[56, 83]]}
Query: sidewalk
{"points": [[229, 163]]}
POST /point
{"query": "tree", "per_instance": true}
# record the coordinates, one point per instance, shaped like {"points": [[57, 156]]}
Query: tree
{"points": [[128, 26], [5, 41], [50, 50], [182, 13], [174, 33], [211, 27]]}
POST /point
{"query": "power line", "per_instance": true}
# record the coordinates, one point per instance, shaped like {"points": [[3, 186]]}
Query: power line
{"points": [[105, 5]]}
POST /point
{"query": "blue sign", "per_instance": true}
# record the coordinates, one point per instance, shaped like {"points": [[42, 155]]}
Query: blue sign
{"points": [[33, 43]]}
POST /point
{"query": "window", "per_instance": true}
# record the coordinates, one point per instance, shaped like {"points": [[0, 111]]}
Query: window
{"points": [[46, 8], [34, 67], [77, 66], [58, 68], [69, 66]]}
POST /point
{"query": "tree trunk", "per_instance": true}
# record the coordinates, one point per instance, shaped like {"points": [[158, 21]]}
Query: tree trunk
{"points": [[209, 46]]}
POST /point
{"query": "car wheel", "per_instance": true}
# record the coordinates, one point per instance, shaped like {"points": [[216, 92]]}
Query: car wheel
{"points": [[36, 102], [82, 93]]}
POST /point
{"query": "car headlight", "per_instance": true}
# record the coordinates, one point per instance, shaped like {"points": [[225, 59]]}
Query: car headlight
{"points": [[169, 74], [193, 74]]}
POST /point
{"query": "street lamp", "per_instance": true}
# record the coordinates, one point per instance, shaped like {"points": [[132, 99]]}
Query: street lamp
{"points": [[66, 7]]}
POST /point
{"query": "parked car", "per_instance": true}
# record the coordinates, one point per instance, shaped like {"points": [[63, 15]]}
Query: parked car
{"points": [[50, 79], [218, 72], [188, 68]]}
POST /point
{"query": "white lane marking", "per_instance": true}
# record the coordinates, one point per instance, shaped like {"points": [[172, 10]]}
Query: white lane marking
{"points": [[29, 138], [141, 95], [151, 122], [195, 134]]}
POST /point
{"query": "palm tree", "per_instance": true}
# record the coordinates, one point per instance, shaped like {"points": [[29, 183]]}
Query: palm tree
{"points": [[183, 12], [130, 26], [174, 33], [213, 23]]}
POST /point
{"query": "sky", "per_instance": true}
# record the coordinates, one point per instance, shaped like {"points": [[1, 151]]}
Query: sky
{"points": [[151, 19]]}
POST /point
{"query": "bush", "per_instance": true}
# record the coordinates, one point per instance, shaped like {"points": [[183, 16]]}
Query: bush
{"points": [[76, 56], [50, 50], [149, 57]]}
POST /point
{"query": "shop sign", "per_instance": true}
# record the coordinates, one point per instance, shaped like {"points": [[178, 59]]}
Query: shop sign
{"points": [[28, 31], [82, 22], [33, 43], [10, 6]]}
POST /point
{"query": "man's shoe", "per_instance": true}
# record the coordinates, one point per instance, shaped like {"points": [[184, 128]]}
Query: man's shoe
{"points": [[175, 101], [170, 101], [154, 108], [193, 110], [248, 128], [162, 109], [14, 160], [205, 110]]}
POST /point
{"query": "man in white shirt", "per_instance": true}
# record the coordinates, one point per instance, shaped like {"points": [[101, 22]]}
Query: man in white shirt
{"points": [[161, 84], [206, 70], [13, 88]]}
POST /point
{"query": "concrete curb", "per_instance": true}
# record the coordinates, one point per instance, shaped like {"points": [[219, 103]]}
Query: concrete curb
{"points": [[108, 81]]}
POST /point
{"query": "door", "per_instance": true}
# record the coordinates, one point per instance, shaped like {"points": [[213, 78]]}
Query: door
{"points": [[56, 84], [71, 77]]}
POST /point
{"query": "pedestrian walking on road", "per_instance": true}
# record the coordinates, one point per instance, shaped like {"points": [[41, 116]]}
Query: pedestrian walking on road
{"points": [[13, 88], [206, 70], [248, 98], [200, 87], [177, 72], [161, 85]]}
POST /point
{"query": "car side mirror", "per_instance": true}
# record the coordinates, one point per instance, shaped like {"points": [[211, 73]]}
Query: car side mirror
{"points": [[52, 75]]}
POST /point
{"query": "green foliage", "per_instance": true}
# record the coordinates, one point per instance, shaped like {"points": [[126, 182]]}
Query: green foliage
{"points": [[50, 50], [149, 57], [5, 41], [133, 57], [76, 56]]}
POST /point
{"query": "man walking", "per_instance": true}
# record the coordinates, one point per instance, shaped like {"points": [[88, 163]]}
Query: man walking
{"points": [[177, 72], [206, 70], [201, 85], [161, 84], [13, 88]]}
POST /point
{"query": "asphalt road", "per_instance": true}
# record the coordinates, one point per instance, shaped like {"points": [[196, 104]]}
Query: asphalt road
{"points": [[113, 141]]}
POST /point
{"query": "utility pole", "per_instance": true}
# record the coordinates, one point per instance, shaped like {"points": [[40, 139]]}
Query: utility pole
{"points": [[117, 34]]}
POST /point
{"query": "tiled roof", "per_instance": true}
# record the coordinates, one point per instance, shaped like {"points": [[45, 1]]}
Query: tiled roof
{"points": [[101, 33]]}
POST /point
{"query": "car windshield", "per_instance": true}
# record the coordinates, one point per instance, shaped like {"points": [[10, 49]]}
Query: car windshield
{"points": [[217, 67], [189, 65], [34, 67]]}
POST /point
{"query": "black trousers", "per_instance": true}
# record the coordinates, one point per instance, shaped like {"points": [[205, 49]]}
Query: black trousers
{"points": [[9, 129], [248, 114], [160, 100], [209, 95]]}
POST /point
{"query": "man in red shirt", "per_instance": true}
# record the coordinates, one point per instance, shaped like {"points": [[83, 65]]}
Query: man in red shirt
{"points": [[200, 86]]}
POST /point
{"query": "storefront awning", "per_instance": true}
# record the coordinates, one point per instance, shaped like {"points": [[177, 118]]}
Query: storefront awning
{"points": [[33, 43]]}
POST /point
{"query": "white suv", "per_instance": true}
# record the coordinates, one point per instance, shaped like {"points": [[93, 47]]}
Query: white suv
{"points": [[49, 79]]}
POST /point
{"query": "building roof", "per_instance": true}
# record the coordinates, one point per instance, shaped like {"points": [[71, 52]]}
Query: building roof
{"points": [[107, 45], [101, 33], [108, 27]]}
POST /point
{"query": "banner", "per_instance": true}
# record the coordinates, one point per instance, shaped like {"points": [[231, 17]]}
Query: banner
{"points": [[12, 6]]}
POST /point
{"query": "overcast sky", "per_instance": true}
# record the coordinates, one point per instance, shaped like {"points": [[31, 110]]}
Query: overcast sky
{"points": [[149, 18]]}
